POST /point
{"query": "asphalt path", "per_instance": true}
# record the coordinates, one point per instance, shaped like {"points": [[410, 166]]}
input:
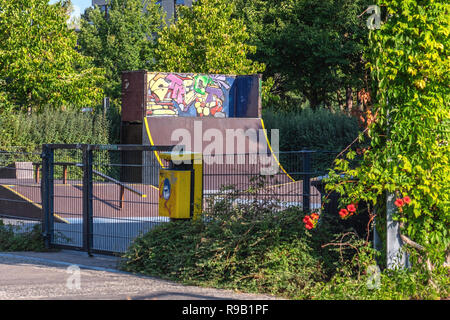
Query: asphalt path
{"points": [[68, 275]]}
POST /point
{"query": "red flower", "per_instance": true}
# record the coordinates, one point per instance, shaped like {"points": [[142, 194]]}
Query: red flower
{"points": [[406, 199], [311, 221], [343, 213], [314, 216], [351, 208], [399, 203]]}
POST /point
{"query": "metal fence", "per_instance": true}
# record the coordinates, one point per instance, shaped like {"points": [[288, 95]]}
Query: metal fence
{"points": [[20, 188], [99, 198], [283, 179], [93, 200]]}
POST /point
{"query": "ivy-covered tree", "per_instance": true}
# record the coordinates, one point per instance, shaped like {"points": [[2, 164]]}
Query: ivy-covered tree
{"points": [[409, 152], [120, 38], [39, 64], [207, 39]]}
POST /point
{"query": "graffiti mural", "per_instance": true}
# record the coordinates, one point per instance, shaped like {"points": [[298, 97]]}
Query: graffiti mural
{"points": [[188, 95]]}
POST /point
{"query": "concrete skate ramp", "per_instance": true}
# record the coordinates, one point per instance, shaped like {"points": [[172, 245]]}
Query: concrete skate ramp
{"points": [[21, 201], [24, 200], [236, 150]]}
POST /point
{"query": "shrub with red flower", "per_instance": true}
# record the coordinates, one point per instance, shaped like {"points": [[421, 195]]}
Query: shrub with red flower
{"points": [[344, 214], [399, 202], [349, 211], [351, 208], [406, 199], [311, 221]]}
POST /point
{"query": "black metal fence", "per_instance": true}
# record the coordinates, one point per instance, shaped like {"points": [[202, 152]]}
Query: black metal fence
{"points": [[20, 194], [98, 198], [96, 202], [283, 179]]}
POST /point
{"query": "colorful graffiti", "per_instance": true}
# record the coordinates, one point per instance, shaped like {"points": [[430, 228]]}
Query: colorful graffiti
{"points": [[188, 95]]}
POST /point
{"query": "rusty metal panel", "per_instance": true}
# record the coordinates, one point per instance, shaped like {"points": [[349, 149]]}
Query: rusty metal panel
{"points": [[133, 95], [131, 133]]}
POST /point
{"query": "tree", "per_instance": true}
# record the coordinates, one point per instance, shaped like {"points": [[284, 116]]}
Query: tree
{"points": [[120, 39], [310, 47], [409, 153], [206, 39], [39, 65]]}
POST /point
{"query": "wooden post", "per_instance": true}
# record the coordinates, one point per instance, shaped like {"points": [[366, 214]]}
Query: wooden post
{"points": [[37, 176], [122, 196], [64, 174]]}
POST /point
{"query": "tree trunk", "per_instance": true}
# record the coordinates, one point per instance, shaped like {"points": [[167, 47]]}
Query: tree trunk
{"points": [[349, 99], [339, 99]]}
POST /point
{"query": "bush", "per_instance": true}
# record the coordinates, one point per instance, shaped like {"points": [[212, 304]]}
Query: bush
{"points": [[14, 238], [320, 130], [27, 133], [262, 254], [255, 248], [315, 130], [71, 126], [239, 246]]}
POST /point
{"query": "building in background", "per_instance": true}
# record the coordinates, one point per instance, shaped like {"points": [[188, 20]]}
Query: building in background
{"points": [[168, 6]]}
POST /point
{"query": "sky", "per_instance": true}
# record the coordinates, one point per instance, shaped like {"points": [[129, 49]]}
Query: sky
{"points": [[78, 5]]}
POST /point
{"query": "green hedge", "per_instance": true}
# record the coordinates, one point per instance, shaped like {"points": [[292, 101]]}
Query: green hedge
{"points": [[310, 129], [31, 131], [25, 134]]}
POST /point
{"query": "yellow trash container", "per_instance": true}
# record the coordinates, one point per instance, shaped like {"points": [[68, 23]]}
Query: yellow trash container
{"points": [[181, 185]]}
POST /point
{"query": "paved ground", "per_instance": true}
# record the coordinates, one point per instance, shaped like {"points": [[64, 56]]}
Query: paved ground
{"points": [[73, 275]]}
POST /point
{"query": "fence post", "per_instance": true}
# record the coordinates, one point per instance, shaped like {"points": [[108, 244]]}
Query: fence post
{"points": [[306, 168], [87, 199], [47, 191], [395, 254]]}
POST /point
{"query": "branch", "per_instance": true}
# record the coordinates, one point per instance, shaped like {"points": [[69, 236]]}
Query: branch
{"points": [[353, 142], [408, 241]]}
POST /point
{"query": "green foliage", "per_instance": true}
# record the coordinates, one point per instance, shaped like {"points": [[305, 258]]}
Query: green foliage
{"points": [[409, 155], [27, 134], [318, 129], [310, 47], [385, 285], [206, 39], [121, 40], [39, 64], [256, 248], [31, 131], [17, 238], [236, 246]]}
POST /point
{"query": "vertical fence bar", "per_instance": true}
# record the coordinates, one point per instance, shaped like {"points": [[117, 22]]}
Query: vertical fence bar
{"points": [[87, 199], [306, 168], [47, 192]]}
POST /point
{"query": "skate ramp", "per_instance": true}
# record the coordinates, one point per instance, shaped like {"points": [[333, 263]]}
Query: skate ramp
{"points": [[236, 150]]}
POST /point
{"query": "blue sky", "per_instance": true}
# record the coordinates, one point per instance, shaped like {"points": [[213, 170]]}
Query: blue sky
{"points": [[82, 4], [78, 5]]}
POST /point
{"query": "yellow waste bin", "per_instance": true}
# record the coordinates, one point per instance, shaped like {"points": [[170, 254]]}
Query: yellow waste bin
{"points": [[181, 185]]}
